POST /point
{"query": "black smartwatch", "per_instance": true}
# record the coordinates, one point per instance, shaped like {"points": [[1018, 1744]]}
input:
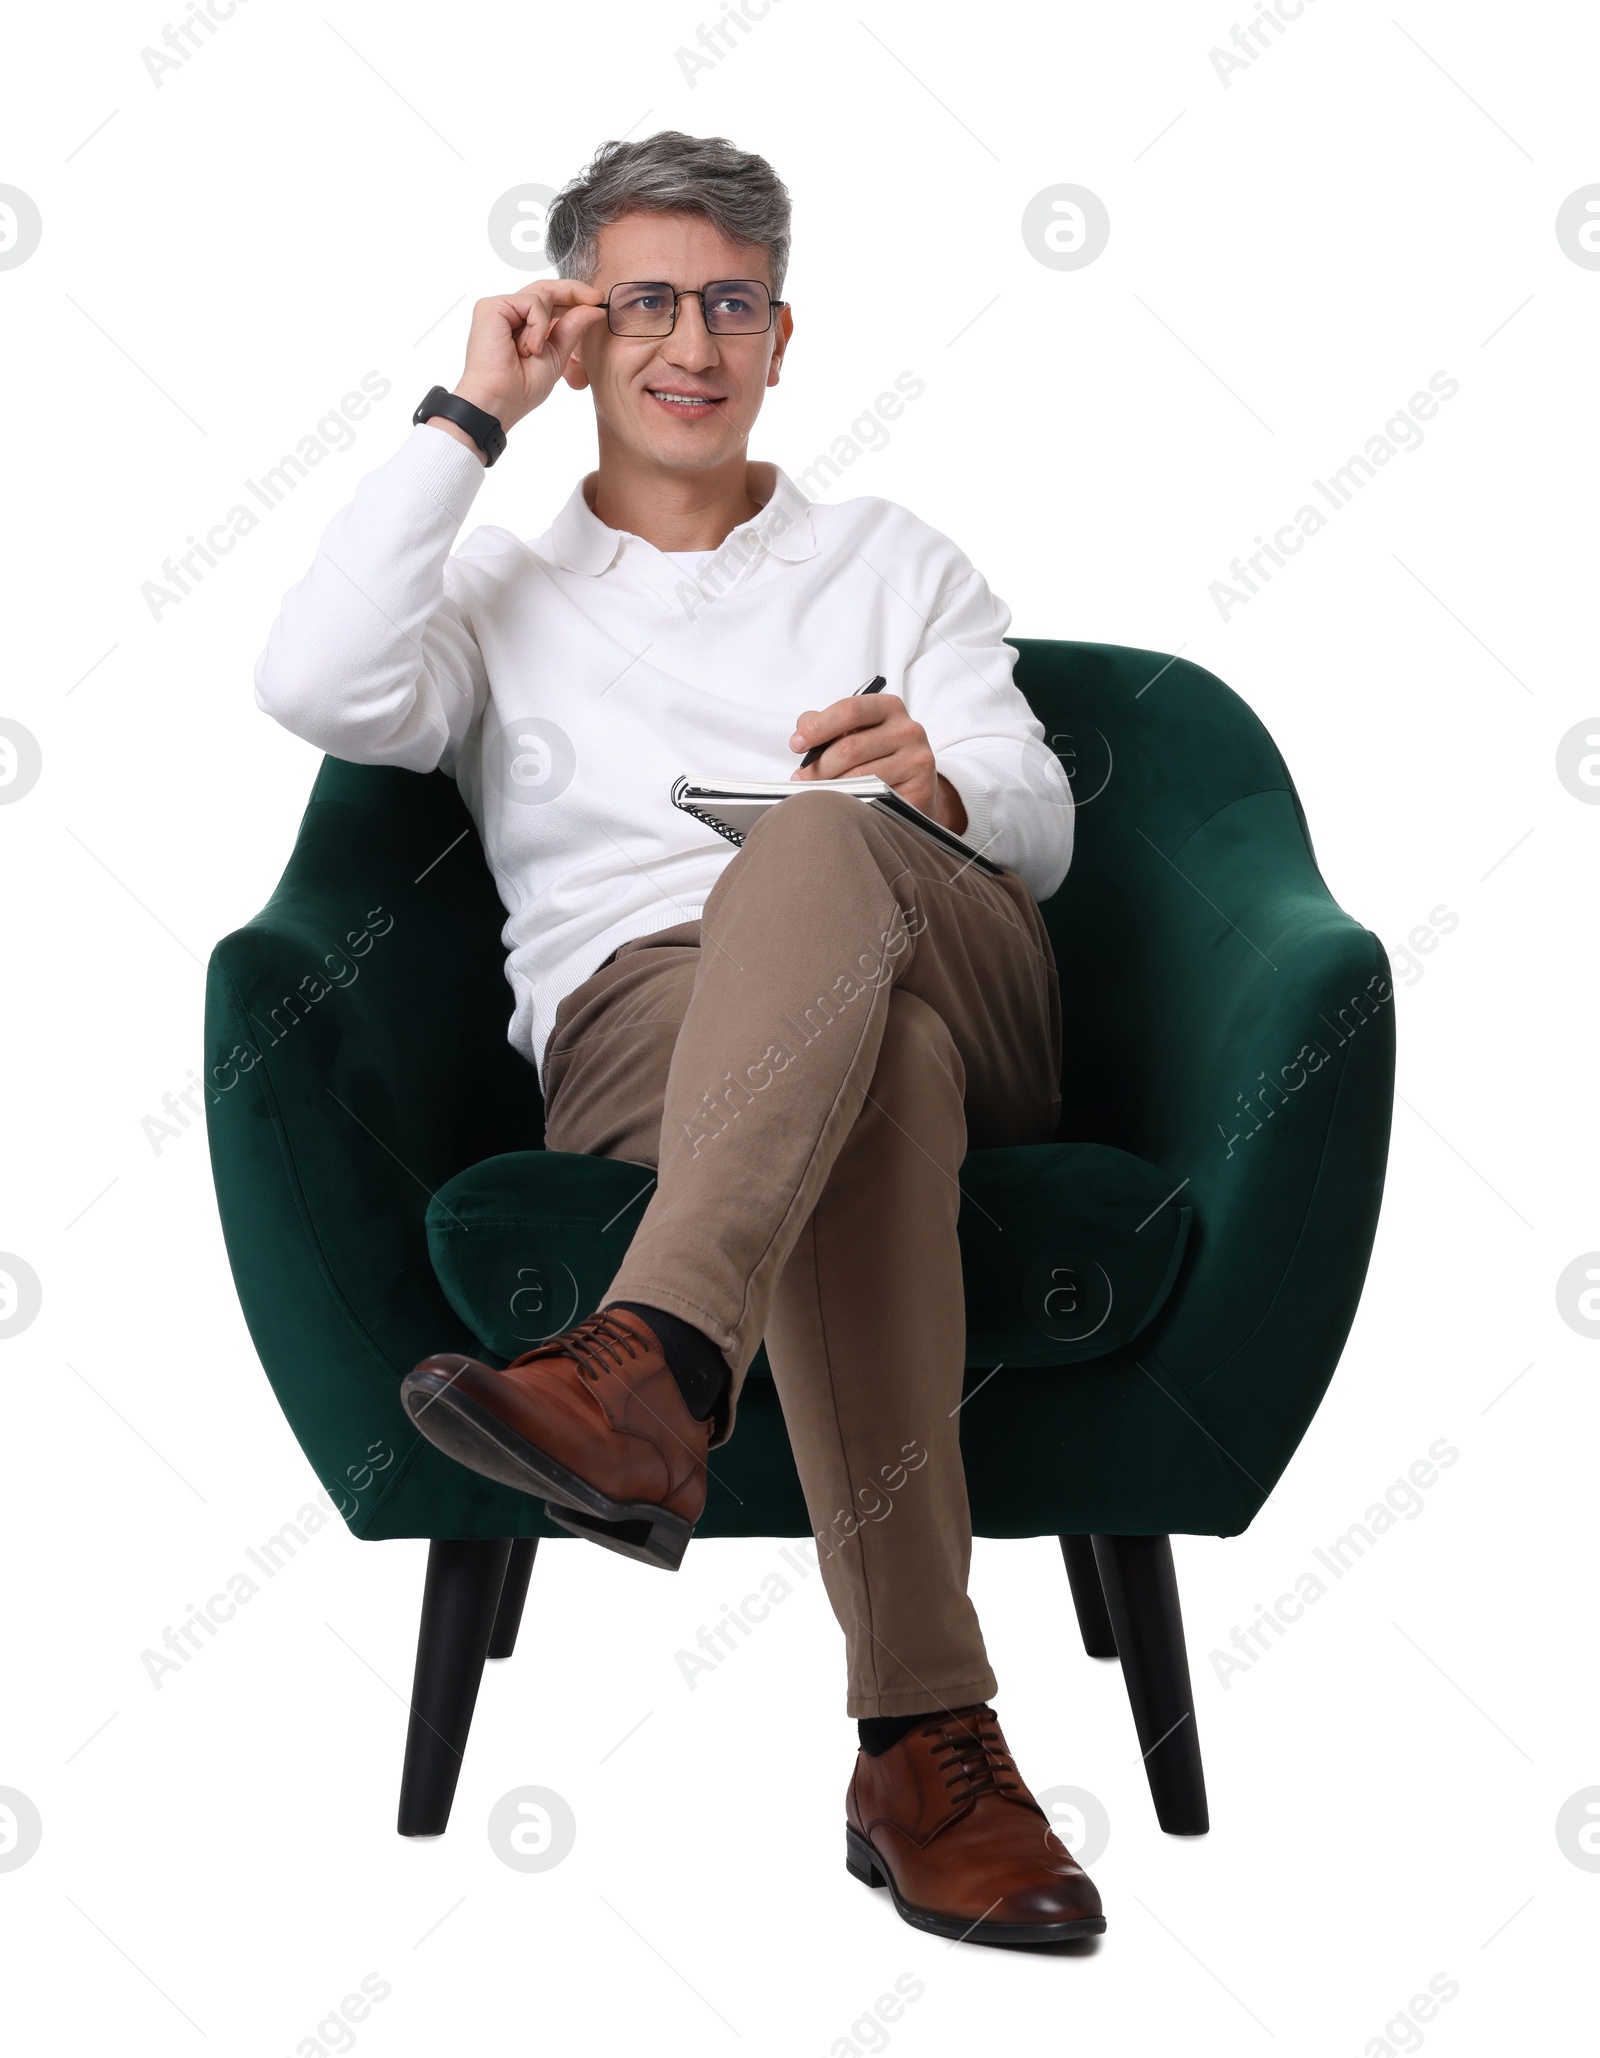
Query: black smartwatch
{"points": [[484, 430]]}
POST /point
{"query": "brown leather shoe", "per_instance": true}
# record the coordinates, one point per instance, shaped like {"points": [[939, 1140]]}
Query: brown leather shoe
{"points": [[943, 1820], [591, 1421]]}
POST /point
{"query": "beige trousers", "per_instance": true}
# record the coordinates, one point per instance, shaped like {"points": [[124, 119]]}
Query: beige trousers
{"points": [[804, 1068]]}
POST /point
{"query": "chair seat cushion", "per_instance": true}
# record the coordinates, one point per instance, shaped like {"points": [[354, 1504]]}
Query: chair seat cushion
{"points": [[1067, 1249]]}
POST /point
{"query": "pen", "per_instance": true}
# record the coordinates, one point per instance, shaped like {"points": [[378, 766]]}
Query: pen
{"points": [[872, 686]]}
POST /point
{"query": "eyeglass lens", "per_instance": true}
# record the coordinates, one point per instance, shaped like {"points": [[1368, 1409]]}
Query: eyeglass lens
{"points": [[646, 307]]}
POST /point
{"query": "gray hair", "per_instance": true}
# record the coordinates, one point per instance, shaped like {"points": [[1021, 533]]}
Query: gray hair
{"points": [[670, 173]]}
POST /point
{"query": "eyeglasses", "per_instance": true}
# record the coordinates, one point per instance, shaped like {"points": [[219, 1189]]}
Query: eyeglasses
{"points": [[730, 307]]}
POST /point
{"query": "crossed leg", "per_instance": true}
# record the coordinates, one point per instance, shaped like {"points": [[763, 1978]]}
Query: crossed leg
{"points": [[805, 1068]]}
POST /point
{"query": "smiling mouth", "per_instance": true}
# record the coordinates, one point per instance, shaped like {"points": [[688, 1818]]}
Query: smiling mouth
{"points": [[687, 404]]}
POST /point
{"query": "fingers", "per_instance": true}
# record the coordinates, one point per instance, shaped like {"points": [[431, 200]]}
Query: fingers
{"points": [[567, 330], [555, 293], [545, 305], [530, 314], [889, 744], [534, 332], [520, 343], [910, 774], [870, 733], [859, 711], [896, 761]]}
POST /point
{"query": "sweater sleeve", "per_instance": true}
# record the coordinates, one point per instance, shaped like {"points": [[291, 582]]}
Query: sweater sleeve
{"points": [[986, 739], [372, 658]]}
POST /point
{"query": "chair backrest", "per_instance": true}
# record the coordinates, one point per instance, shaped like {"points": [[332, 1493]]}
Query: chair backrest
{"points": [[1156, 748]]}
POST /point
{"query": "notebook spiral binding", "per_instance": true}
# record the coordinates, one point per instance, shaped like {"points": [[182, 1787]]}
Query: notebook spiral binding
{"points": [[734, 836], [711, 822]]}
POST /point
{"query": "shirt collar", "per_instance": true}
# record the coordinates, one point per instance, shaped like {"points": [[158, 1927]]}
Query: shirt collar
{"points": [[578, 541]]}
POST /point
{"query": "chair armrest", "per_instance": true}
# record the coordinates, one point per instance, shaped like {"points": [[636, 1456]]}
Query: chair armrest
{"points": [[1254, 1040], [356, 1058]]}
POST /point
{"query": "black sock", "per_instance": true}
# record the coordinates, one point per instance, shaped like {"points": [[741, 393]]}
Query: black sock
{"points": [[698, 1367], [880, 1733]]}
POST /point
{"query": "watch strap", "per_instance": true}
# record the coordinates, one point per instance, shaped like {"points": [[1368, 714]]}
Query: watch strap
{"points": [[483, 428]]}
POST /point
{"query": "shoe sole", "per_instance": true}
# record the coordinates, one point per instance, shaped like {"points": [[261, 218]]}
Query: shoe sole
{"points": [[461, 1428], [863, 1863]]}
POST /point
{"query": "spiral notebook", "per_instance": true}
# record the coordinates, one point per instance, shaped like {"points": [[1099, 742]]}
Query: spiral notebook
{"points": [[734, 806]]}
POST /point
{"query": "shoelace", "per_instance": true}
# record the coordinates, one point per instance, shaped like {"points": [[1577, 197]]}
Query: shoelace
{"points": [[975, 1760], [595, 1346]]}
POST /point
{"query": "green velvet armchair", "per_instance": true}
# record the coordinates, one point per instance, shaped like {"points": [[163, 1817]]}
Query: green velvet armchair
{"points": [[1166, 1289]]}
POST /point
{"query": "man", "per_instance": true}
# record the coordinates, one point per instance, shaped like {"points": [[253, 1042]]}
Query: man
{"points": [[800, 1037]]}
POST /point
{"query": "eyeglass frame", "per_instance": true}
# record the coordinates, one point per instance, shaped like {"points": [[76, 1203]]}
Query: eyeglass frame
{"points": [[692, 293]]}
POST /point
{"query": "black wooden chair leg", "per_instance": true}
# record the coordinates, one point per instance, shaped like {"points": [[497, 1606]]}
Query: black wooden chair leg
{"points": [[1141, 1597], [459, 1603], [508, 1618], [1088, 1597]]}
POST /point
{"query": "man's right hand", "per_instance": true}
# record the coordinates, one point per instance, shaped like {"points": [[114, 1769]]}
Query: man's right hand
{"points": [[517, 347]]}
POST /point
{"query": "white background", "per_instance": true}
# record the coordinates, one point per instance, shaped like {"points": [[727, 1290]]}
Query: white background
{"points": [[1371, 201]]}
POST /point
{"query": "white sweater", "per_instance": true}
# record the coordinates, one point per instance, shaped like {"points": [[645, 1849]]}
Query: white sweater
{"points": [[564, 683]]}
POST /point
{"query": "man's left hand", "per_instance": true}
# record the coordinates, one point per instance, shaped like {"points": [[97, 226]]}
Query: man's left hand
{"points": [[872, 732]]}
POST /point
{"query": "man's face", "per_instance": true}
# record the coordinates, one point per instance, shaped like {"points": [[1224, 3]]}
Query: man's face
{"points": [[719, 379]]}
